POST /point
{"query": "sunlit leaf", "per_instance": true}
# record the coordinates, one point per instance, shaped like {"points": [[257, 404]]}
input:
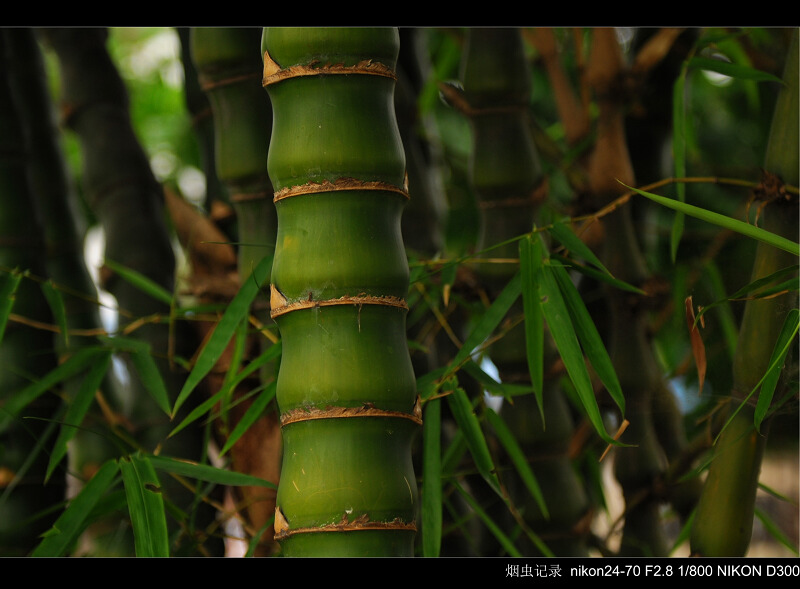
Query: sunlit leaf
{"points": [[732, 70]]}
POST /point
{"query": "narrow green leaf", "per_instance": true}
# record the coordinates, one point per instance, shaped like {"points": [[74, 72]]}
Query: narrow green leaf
{"points": [[733, 70], [71, 523], [476, 442], [432, 479], [530, 263], [490, 319], [566, 237], [498, 389], [268, 355], [518, 458], [679, 153], [496, 531], [252, 414], [775, 531], [151, 377], [725, 222], [216, 344], [56, 303], [589, 338], [758, 288], [205, 472], [7, 292], [77, 410], [592, 273], [145, 505], [141, 282], [790, 328], [563, 332], [72, 366]]}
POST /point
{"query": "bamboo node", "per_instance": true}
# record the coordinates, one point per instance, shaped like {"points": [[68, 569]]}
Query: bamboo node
{"points": [[340, 184], [360, 523], [366, 409], [274, 73], [280, 305]]}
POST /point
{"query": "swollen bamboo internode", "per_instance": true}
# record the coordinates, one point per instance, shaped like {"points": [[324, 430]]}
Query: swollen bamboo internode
{"points": [[339, 282]]}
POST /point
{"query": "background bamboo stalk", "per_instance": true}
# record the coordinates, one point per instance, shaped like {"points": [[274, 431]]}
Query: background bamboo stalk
{"points": [[724, 521], [505, 173], [28, 506], [230, 73]]}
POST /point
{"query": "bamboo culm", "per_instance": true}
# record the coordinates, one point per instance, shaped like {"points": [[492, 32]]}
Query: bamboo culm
{"points": [[339, 282]]}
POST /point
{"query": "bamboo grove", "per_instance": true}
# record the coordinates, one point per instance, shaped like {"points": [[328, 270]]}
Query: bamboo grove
{"points": [[445, 292]]}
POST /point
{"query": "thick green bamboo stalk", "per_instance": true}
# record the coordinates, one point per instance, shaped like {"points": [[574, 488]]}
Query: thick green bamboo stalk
{"points": [[28, 506], [724, 521], [505, 174], [339, 282], [230, 71]]}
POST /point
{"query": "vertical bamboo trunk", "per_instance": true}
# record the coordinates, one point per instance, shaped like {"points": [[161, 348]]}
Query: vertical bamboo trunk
{"points": [[26, 502], [724, 521], [339, 283], [230, 70], [505, 173]]}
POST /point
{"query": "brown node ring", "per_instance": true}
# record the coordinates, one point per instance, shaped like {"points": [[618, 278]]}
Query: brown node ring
{"points": [[365, 410], [341, 184], [274, 73], [361, 523], [280, 305]]}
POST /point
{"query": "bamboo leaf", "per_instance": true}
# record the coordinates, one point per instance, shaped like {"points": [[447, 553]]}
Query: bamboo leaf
{"points": [[599, 276], [518, 458], [490, 319], [679, 153], [775, 531], [141, 282], [71, 523], [504, 540], [71, 367], [790, 327], [142, 359], [7, 292], [268, 355], [252, 414], [145, 505], [476, 442], [56, 303], [698, 349], [733, 70], [566, 340], [498, 389], [432, 479], [77, 410], [588, 336], [724, 222], [216, 344], [530, 262], [760, 288], [205, 472], [566, 237]]}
